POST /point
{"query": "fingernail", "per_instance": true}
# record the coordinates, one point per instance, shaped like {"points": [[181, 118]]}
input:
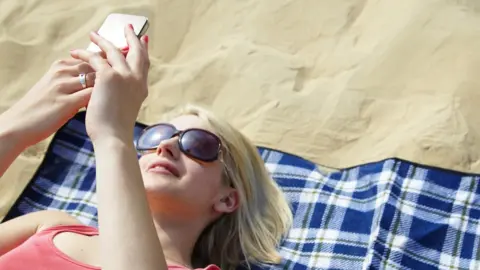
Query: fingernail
{"points": [[145, 38], [125, 48], [130, 25]]}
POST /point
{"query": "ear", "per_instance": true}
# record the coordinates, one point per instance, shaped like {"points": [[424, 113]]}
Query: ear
{"points": [[227, 202]]}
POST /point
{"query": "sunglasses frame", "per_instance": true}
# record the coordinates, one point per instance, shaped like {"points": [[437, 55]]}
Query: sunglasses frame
{"points": [[180, 134]]}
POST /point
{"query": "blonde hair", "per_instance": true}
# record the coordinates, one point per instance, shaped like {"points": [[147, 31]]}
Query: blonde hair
{"points": [[252, 233]]}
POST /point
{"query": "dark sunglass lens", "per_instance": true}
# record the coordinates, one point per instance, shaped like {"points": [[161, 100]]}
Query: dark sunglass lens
{"points": [[152, 137], [200, 144]]}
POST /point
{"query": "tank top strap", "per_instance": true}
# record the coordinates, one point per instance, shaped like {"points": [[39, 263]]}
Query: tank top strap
{"points": [[77, 228]]}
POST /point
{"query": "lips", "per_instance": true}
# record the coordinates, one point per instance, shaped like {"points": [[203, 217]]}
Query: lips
{"points": [[162, 165]]}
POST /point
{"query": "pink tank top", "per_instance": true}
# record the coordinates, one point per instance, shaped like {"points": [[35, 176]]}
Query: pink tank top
{"points": [[39, 253]]}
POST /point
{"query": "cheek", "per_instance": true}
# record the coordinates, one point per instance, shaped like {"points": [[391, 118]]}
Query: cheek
{"points": [[143, 162], [205, 179]]}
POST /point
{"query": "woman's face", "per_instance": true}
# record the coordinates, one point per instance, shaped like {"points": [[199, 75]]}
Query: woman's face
{"points": [[195, 189]]}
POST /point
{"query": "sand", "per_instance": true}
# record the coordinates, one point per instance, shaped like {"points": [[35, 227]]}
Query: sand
{"points": [[339, 82]]}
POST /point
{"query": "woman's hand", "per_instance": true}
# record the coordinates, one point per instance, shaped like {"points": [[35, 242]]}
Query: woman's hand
{"points": [[50, 103], [120, 86]]}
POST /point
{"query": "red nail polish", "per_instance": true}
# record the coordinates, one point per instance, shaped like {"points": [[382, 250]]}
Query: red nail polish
{"points": [[125, 48], [130, 25], [145, 38]]}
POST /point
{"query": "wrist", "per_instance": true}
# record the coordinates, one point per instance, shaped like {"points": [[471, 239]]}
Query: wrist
{"points": [[110, 142], [12, 132]]}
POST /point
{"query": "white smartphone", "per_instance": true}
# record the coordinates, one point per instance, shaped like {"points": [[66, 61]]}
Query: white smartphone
{"points": [[113, 27]]}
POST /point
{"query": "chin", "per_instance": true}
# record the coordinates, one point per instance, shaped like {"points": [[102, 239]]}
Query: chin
{"points": [[158, 183]]}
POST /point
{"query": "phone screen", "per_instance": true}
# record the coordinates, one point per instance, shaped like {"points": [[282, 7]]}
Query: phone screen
{"points": [[112, 29]]}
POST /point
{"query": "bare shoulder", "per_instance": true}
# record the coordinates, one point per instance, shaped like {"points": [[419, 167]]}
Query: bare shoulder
{"points": [[17, 230], [45, 219], [49, 218]]}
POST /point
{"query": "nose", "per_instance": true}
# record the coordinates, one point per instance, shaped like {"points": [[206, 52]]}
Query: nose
{"points": [[169, 148]]}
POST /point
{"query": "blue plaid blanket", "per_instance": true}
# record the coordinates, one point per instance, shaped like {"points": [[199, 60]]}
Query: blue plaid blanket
{"points": [[390, 214]]}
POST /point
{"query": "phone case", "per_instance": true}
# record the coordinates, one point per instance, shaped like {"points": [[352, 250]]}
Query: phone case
{"points": [[112, 29]]}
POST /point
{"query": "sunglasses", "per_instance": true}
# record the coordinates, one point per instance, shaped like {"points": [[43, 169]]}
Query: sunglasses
{"points": [[196, 143]]}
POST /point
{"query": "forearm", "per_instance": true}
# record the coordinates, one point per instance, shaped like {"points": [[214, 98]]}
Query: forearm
{"points": [[128, 238], [11, 144]]}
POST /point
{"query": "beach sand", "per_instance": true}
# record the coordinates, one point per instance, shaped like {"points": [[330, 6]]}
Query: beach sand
{"points": [[339, 82]]}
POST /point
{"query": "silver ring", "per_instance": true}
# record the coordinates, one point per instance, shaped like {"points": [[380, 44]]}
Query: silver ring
{"points": [[83, 79]]}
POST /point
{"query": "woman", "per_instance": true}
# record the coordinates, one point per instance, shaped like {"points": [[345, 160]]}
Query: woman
{"points": [[206, 199]]}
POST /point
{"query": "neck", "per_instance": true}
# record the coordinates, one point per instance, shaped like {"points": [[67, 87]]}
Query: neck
{"points": [[178, 239]]}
